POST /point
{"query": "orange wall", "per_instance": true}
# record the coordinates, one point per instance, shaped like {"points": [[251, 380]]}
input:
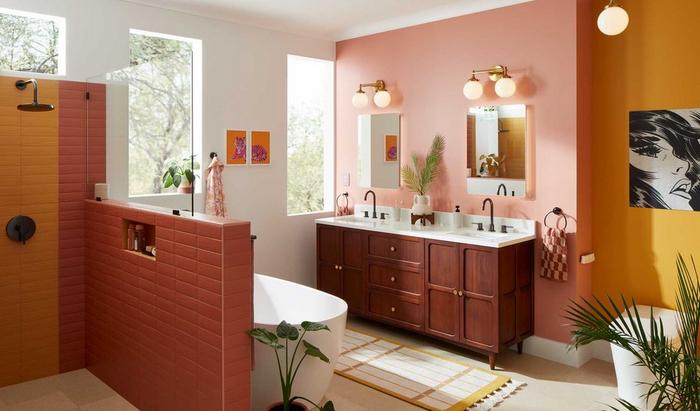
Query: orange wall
{"points": [[652, 65], [28, 273], [425, 68]]}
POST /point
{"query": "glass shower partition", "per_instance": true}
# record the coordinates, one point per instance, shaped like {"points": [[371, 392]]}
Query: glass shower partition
{"points": [[141, 141]]}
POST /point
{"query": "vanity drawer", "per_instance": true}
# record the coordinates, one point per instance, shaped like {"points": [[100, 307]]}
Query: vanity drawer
{"points": [[396, 308], [396, 278], [396, 248]]}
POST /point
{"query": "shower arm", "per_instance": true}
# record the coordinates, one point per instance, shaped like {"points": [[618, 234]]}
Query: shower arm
{"points": [[22, 84]]}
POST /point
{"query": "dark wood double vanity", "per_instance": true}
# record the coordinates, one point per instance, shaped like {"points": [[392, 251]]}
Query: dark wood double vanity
{"points": [[477, 297]]}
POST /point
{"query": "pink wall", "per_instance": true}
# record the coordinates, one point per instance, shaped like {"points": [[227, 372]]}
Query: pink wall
{"points": [[425, 68]]}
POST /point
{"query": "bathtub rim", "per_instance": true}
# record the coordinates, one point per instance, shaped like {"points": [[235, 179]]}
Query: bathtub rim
{"points": [[343, 304]]}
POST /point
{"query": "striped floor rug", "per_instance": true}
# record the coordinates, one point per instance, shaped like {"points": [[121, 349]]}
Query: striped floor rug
{"points": [[420, 378]]}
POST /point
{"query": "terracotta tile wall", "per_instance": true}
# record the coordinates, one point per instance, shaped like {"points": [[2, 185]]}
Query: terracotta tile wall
{"points": [[28, 273], [161, 332], [72, 165]]}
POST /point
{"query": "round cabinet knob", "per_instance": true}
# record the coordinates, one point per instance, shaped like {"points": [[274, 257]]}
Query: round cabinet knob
{"points": [[460, 293], [393, 309], [454, 292], [336, 267], [392, 248], [340, 267], [392, 279]]}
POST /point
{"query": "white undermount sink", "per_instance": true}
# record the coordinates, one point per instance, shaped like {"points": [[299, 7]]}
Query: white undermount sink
{"points": [[486, 235]]}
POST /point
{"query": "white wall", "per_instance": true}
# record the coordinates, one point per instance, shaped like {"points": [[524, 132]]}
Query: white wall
{"points": [[244, 70]]}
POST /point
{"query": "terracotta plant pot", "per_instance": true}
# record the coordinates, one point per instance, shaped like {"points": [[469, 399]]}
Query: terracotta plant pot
{"points": [[185, 187], [278, 406]]}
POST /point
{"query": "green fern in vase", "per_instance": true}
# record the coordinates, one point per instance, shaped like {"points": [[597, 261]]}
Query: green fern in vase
{"points": [[418, 178]]}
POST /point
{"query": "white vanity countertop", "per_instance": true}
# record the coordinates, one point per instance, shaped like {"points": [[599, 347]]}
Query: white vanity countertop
{"points": [[523, 230]]}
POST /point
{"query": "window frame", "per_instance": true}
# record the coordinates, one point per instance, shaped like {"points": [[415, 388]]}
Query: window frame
{"points": [[197, 103], [60, 22], [329, 159]]}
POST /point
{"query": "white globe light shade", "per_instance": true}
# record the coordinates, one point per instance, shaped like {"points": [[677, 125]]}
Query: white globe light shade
{"points": [[473, 89], [360, 99], [613, 20], [382, 98], [505, 87]]}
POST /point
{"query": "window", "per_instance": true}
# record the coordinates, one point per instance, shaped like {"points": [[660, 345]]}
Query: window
{"points": [[32, 42], [164, 109], [310, 94]]}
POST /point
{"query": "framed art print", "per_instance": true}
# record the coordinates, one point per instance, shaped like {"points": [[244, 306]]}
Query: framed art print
{"points": [[260, 148], [236, 147]]}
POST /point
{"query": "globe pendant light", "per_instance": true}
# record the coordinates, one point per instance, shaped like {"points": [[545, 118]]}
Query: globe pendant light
{"points": [[613, 20]]}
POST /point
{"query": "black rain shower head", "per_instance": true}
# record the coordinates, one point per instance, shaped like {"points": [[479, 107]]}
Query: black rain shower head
{"points": [[34, 106]]}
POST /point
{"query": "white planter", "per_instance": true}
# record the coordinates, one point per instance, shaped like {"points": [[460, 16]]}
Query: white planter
{"points": [[630, 375]]}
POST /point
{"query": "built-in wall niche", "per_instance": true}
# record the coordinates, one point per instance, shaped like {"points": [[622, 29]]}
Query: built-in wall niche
{"points": [[497, 150], [139, 238]]}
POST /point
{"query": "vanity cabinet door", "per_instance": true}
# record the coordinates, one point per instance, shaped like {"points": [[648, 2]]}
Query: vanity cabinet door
{"points": [[328, 244], [352, 249], [442, 289], [353, 289], [479, 305], [329, 279]]}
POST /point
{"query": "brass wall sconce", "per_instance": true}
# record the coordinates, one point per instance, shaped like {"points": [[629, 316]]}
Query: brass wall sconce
{"points": [[382, 98], [505, 86]]}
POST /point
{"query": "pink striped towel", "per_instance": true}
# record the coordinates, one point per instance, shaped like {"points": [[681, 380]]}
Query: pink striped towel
{"points": [[554, 264]]}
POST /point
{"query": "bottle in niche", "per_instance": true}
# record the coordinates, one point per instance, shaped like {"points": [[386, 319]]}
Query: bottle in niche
{"points": [[130, 238], [140, 237]]}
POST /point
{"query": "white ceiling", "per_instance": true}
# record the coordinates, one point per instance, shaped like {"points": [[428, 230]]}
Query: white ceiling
{"points": [[330, 19]]}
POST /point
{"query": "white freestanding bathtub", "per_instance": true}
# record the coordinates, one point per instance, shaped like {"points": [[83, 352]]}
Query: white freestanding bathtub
{"points": [[276, 300]]}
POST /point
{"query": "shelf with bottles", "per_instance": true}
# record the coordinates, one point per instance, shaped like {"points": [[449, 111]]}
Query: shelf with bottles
{"points": [[139, 238]]}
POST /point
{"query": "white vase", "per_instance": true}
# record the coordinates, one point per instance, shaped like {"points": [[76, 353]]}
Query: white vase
{"points": [[421, 205]]}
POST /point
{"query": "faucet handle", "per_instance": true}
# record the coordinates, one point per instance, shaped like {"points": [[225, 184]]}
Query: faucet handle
{"points": [[382, 216], [479, 226], [504, 228], [366, 214]]}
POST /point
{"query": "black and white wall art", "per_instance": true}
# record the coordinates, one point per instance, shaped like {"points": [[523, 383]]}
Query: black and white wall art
{"points": [[664, 149]]}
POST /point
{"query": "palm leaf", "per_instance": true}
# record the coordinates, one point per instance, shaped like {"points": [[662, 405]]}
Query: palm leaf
{"points": [[675, 367], [417, 178]]}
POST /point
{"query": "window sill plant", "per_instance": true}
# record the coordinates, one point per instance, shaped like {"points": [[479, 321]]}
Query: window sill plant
{"points": [[418, 178], [287, 365], [180, 174]]}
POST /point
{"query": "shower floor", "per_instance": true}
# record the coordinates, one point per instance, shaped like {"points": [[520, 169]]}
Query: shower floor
{"points": [[72, 391]]}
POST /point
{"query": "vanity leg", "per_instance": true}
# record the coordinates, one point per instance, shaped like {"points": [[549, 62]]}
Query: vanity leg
{"points": [[492, 361], [520, 347]]}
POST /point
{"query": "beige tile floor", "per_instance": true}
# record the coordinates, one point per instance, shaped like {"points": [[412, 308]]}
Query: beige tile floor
{"points": [[72, 391], [550, 386]]}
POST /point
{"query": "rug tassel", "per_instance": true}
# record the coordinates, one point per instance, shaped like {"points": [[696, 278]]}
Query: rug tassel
{"points": [[497, 396]]}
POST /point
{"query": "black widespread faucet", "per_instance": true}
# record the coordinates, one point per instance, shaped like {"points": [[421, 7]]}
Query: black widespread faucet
{"points": [[505, 190], [374, 202], [492, 227]]}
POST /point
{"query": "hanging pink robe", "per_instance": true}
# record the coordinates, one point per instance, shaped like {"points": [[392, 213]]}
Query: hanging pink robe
{"points": [[215, 189]]}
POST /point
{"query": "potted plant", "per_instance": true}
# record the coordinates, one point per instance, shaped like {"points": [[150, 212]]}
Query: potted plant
{"points": [[418, 177], [181, 174], [675, 366], [489, 165], [288, 368]]}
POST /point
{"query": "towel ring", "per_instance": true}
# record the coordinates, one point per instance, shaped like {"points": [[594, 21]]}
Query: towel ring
{"points": [[212, 155], [557, 211]]}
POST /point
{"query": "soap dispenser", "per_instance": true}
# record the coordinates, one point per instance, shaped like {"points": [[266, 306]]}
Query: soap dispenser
{"points": [[457, 218]]}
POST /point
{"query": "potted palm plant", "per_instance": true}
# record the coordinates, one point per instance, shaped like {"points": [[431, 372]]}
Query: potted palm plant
{"points": [[180, 174], [418, 177], [675, 366], [290, 364]]}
